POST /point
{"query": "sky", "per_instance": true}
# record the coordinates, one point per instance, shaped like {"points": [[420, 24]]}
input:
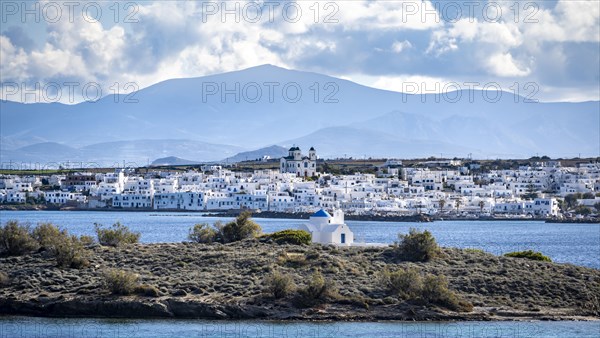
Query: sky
{"points": [[56, 51]]}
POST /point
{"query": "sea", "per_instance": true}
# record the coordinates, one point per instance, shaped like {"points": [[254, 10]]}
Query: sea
{"points": [[577, 244]]}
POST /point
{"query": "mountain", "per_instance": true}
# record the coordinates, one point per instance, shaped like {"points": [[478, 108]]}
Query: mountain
{"points": [[272, 151], [456, 130], [257, 106], [119, 153], [363, 143], [172, 160]]}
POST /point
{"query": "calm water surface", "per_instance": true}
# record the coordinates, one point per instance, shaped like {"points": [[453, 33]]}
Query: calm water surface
{"points": [[570, 243], [18, 327], [565, 243]]}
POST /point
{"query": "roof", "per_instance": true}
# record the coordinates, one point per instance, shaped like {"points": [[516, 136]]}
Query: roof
{"points": [[294, 148], [321, 213], [312, 149]]}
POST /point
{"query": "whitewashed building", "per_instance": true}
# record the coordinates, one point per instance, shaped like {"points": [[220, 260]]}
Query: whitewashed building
{"points": [[295, 163], [180, 201], [327, 229]]}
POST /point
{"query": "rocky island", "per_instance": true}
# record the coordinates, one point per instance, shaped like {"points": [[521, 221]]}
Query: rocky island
{"points": [[280, 277]]}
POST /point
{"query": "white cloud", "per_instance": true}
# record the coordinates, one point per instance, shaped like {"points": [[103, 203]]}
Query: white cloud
{"points": [[503, 64], [392, 15], [171, 40], [13, 61], [413, 84], [398, 46]]}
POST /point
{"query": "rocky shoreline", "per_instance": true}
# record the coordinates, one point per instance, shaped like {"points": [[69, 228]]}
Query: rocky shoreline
{"points": [[227, 281]]}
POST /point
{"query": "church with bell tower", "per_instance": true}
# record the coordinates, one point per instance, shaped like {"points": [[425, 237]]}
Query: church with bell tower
{"points": [[302, 166]]}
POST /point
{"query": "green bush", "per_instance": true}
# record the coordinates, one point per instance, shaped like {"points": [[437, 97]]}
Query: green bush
{"points": [[121, 282], [417, 246], [297, 237], [241, 228], [16, 239], [117, 235], [316, 291], [474, 251], [406, 283], [279, 285], [529, 254], [202, 233]]}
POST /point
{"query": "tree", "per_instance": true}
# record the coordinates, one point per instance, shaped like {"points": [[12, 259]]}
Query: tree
{"points": [[202, 233], [417, 246], [597, 206], [583, 210], [442, 203], [241, 228], [531, 192], [588, 195], [571, 200], [481, 205], [457, 204]]}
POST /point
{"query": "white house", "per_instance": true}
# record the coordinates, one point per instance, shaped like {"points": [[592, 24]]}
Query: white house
{"points": [[327, 229]]}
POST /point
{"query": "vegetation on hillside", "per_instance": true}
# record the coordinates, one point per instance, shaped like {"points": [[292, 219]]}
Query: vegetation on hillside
{"points": [[529, 254]]}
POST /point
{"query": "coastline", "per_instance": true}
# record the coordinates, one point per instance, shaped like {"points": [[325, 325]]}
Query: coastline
{"points": [[293, 215], [226, 282]]}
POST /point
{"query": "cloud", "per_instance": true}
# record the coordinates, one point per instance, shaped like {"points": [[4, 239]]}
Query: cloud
{"points": [[380, 40], [413, 84], [503, 64], [398, 46], [13, 66]]}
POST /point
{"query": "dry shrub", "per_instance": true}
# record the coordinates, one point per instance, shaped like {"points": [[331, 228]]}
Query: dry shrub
{"points": [[116, 235], [202, 233], [47, 234], [16, 239], [121, 282], [417, 246], [68, 250], [147, 290], [406, 283], [316, 291], [292, 260], [4, 279], [430, 289], [279, 285]]}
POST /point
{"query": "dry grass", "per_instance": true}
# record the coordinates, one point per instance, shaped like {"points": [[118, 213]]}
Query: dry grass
{"points": [[235, 274]]}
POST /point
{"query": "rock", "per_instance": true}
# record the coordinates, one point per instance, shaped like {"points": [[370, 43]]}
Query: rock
{"points": [[179, 293]]}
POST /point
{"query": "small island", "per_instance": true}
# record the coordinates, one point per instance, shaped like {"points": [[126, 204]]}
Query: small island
{"points": [[232, 271]]}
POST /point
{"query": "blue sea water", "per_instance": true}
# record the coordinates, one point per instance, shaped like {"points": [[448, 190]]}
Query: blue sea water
{"points": [[20, 327], [565, 243]]}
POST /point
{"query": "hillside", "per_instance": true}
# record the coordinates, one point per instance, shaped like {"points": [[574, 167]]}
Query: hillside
{"points": [[194, 109], [216, 281]]}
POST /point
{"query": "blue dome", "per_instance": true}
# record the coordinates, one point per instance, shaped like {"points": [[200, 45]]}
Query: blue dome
{"points": [[321, 213]]}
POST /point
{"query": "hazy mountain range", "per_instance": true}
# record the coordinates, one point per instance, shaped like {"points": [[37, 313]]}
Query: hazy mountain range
{"points": [[191, 119]]}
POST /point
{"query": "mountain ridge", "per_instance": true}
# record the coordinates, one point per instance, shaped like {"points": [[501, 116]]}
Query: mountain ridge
{"points": [[183, 109]]}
